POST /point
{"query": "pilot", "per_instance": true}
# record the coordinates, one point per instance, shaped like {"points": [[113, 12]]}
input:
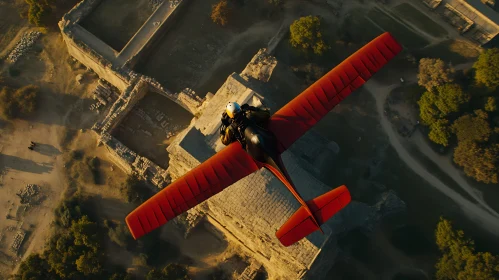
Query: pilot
{"points": [[236, 118]]}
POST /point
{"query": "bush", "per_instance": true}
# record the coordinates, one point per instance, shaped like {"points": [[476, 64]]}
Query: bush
{"points": [[480, 163], [19, 103], [119, 234], [472, 128], [487, 68], [76, 155], [491, 104], [440, 132], [170, 272], [94, 166], [433, 73], [38, 11], [306, 34], [135, 190], [140, 260], [220, 12], [459, 259]]}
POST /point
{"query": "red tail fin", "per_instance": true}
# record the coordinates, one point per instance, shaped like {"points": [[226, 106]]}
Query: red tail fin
{"points": [[323, 208]]}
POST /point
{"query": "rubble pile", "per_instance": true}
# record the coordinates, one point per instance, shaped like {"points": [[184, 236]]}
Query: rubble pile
{"points": [[261, 66], [28, 193], [103, 93], [18, 240], [26, 42], [190, 99], [155, 3], [160, 121], [174, 3]]}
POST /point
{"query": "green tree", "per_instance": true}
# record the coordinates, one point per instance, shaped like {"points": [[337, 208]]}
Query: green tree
{"points": [[428, 112], [459, 260], [444, 100], [491, 104], [472, 128], [172, 271], [306, 34], [61, 255], [487, 68], [440, 132], [19, 103], [38, 11], [135, 190], [220, 12], [450, 98], [68, 211], [478, 162], [34, 267], [88, 263], [85, 233], [140, 260], [433, 73]]}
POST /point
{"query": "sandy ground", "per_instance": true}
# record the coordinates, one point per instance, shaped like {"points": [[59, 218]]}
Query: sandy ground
{"points": [[44, 165], [11, 23]]}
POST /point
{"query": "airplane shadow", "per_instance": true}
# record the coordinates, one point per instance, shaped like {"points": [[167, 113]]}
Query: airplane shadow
{"points": [[26, 165], [46, 149]]}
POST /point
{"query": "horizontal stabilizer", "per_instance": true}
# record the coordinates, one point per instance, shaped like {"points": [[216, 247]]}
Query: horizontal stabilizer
{"points": [[323, 208], [328, 204]]}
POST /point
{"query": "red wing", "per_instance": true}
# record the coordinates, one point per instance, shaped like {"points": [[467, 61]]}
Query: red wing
{"points": [[304, 111], [209, 178]]}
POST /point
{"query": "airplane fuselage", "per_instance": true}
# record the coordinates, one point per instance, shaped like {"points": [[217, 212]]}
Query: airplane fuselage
{"points": [[261, 145]]}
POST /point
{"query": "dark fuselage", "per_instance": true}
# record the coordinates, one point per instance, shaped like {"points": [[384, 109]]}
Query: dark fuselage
{"points": [[261, 145]]}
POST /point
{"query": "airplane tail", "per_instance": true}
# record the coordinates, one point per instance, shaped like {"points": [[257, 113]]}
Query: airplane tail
{"points": [[323, 207]]}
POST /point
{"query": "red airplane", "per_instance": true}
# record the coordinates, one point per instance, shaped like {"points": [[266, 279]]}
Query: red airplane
{"points": [[264, 148]]}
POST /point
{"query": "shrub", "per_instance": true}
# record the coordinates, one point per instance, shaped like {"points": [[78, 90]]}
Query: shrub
{"points": [[19, 103], [220, 12], [306, 34]]}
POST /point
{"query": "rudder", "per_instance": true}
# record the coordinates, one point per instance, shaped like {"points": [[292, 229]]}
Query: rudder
{"points": [[323, 207]]}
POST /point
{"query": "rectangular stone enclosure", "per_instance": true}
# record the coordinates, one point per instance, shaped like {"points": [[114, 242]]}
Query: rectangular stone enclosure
{"points": [[199, 54], [116, 21], [151, 125]]}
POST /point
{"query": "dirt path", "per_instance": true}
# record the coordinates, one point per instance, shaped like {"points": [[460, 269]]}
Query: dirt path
{"points": [[14, 41], [445, 164], [479, 212]]}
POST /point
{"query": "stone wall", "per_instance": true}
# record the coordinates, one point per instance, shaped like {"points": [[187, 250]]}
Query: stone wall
{"points": [[261, 66], [92, 60], [163, 28], [122, 107], [80, 11], [120, 154]]}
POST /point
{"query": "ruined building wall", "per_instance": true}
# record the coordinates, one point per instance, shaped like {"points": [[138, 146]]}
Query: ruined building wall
{"points": [[119, 153], [163, 28], [78, 41], [81, 10], [122, 107], [92, 60]]}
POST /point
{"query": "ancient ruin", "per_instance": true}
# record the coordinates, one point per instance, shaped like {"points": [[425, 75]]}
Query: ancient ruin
{"points": [[472, 18], [251, 210]]}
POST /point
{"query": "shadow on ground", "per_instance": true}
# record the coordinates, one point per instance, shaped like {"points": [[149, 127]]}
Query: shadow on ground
{"points": [[26, 165], [46, 149]]}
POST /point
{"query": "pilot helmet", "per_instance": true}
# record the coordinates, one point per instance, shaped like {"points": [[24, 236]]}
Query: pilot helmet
{"points": [[232, 109]]}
